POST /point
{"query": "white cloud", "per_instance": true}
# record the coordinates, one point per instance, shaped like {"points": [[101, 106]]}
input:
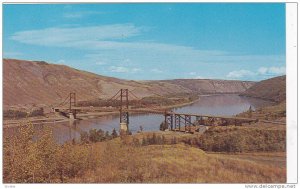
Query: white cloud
{"points": [[114, 45], [100, 63], [272, 70], [261, 72], [199, 77], [157, 71], [111, 39], [61, 61], [193, 75], [134, 70], [240, 74], [105, 37], [81, 14], [121, 69], [79, 37]]}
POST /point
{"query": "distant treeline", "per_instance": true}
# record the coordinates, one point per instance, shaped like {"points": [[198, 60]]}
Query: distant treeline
{"points": [[17, 114], [95, 135], [151, 100]]}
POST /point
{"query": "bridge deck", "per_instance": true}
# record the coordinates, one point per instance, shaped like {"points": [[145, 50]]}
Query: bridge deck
{"points": [[145, 110], [141, 110]]}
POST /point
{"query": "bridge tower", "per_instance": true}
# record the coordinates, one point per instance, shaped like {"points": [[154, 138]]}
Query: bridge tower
{"points": [[124, 114], [72, 103]]}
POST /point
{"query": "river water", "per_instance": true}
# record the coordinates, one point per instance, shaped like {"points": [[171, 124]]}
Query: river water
{"points": [[222, 105]]}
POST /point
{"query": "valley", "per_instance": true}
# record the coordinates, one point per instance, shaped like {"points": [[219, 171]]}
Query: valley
{"points": [[91, 149]]}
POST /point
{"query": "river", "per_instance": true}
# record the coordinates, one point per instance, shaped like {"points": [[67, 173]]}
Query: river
{"points": [[226, 105]]}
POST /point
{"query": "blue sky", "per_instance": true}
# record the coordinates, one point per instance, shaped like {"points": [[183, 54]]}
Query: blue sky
{"points": [[151, 41]]}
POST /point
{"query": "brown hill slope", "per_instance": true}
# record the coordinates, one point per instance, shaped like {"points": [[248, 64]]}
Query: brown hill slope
{"points": [[31, 82], [37, 82], [273, 89]]}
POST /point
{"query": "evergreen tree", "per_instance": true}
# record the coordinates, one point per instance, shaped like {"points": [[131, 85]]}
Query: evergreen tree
{"points": [[114, 133], [107, 136]]}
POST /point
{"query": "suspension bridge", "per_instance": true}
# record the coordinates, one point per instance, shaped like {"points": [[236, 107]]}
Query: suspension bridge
{"points": [[122, 102]]}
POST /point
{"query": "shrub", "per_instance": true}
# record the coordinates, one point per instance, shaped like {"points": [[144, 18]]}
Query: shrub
{"points": [[163, 126], [37, 112]]}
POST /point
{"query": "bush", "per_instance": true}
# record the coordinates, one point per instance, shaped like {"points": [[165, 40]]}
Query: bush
{"points": [[84, 137], [37, 112], [163, 126], [154, 140]]}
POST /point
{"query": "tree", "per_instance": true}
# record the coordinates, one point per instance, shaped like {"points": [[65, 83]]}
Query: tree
{"points": [[107, 136], [141, 128], [84, 137], [250, 111], [114, 133]]}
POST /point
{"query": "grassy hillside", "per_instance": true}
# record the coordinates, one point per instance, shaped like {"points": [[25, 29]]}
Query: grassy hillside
{"points": [[273, 89]]}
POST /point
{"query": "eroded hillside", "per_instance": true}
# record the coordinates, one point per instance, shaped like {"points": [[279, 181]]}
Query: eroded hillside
{"points": [[38, 83]]}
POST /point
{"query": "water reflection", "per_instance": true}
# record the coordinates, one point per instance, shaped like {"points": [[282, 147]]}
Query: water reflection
{"points": [[226, 105]]}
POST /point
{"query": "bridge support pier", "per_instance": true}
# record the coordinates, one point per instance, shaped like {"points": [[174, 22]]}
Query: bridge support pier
{"points": [[72, 115], [177, 121], [123, 127], [169, 121]]}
